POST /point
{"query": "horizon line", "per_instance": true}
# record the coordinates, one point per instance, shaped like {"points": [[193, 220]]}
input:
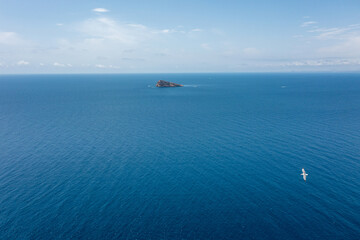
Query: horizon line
{"points": [[270, 72]]}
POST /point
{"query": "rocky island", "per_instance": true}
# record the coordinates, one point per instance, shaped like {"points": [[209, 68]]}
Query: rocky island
{"points": [[162, 83]]}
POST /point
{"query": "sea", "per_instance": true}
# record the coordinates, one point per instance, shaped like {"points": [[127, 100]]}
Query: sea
{"points": [[110, 156]]}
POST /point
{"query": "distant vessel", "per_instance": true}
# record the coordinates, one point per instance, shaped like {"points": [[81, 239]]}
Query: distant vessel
{"points": [[304, 174]]}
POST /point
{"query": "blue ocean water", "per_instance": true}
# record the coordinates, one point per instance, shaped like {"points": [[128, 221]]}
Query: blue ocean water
{"points": [[112, 157]]}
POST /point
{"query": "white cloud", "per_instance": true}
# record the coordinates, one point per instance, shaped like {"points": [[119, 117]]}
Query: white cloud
{"points": [[10, 38], [348, 48], [332, 42], [106, 28], [100, 66], [56, 64], [337, 32], [105, 43], [22, 63], [106, 66], [100, 10], [306, 24], [168, 31], [319, 62], [59, 24], [196, 30], [327, 32]]}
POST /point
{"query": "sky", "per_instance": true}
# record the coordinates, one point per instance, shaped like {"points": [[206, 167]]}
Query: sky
{"points": [[115, 36]]}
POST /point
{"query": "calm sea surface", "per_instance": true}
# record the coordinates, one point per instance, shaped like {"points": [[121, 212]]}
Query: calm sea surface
{"points": [[112, 157]]}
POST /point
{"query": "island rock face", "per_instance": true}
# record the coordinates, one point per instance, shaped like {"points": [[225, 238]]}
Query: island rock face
{"points": [[162, 83]]}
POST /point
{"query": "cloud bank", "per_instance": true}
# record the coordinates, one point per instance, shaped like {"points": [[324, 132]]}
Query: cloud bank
{"points": [[105, 44]]}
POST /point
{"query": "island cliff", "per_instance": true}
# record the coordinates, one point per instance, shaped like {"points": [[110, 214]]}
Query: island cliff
{"points": [[162, 83]]}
